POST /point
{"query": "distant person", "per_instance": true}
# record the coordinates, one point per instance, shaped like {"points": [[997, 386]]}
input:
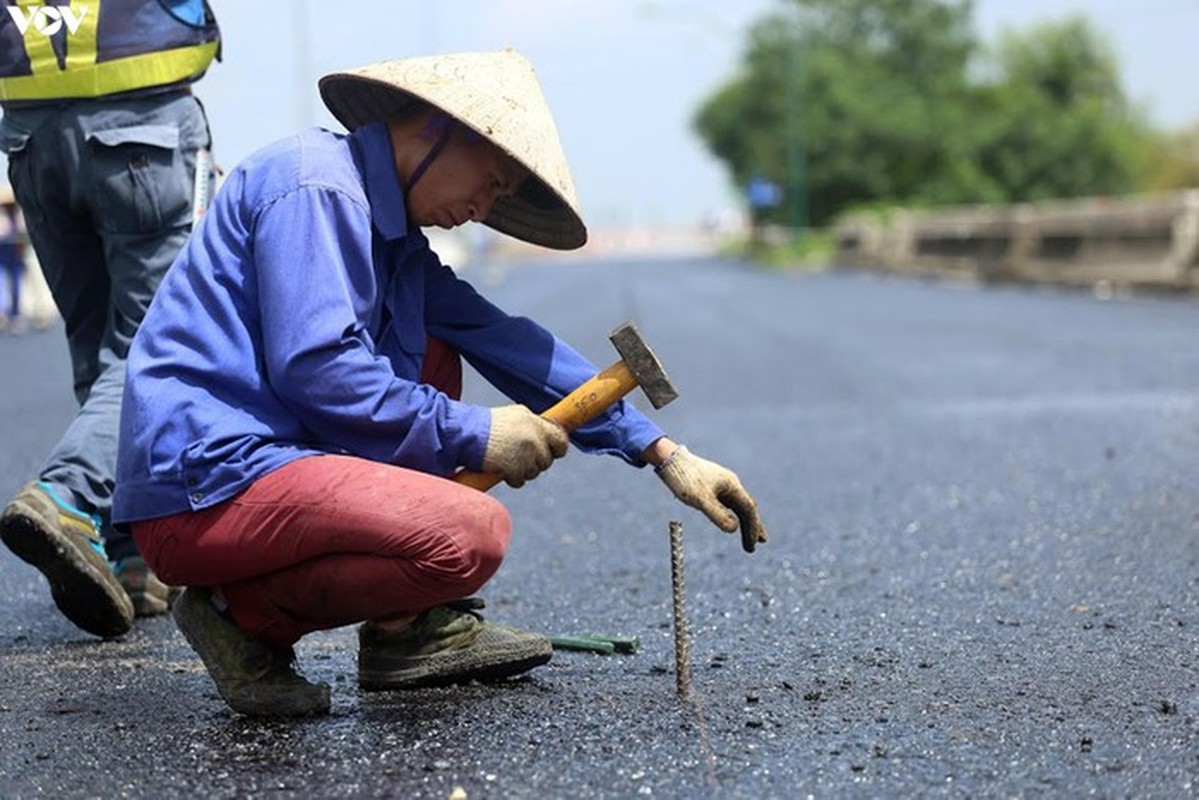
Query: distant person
{"points": [[293, 403], [12, 261], [106, 146]]}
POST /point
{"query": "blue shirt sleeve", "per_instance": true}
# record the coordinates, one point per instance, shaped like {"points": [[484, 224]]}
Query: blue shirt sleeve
{"points": [[317, 287], [527, 363]]}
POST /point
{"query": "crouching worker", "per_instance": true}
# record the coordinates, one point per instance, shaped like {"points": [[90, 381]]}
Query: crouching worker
{"points": [[292, 403]]}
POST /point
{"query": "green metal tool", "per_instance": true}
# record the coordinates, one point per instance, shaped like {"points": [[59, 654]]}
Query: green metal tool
{"points": [[604, 645]]}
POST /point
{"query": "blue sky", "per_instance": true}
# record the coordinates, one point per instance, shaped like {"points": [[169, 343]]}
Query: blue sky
{"points": [[623, 77]]}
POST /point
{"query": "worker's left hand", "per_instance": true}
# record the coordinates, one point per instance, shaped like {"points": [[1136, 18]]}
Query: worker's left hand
{"points": [[716, 491]]}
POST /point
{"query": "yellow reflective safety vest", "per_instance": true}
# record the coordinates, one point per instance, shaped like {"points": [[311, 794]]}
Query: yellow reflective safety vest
{"points": [[55, 50]]}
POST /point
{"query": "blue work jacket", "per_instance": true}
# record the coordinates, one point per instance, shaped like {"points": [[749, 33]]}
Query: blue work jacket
{"points": [[293, 323]]}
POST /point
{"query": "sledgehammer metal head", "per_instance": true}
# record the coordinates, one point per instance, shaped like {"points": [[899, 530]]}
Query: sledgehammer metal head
{"points": [[644, 365]]}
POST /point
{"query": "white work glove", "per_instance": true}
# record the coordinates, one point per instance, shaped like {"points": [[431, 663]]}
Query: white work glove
{"points": [[521, 444], [716, 491]]}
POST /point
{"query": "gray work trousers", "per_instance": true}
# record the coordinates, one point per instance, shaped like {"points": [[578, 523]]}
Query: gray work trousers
{"points": [[107, 190]]}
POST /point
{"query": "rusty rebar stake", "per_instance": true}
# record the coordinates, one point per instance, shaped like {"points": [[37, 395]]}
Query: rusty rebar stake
{"points": [[682, 643]]}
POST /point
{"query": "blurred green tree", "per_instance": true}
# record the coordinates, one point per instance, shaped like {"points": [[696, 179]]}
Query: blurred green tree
{"points": [[1060, 125], [866, 92], [895, 102], [1172, 161]]}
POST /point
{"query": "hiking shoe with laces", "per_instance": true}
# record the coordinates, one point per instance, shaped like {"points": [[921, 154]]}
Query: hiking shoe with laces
{"points": [[149, 595], [446, 644], [254, 678], [64, 544]]}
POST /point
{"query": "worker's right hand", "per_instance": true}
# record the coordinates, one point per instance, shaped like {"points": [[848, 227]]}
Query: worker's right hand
{"points": [[716, 491], [522, 445]]}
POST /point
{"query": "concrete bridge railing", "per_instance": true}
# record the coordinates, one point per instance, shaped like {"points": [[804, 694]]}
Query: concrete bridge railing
{"points": [[1147, 241]]}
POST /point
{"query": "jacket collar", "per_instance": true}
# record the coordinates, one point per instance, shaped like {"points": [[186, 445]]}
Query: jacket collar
{"points": [[389, 214]]}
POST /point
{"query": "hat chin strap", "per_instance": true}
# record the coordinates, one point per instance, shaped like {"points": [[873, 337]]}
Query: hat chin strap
{"points": [[444, 124]]}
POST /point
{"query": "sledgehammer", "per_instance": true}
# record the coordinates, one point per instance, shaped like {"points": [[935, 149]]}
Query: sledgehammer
{"points": [[637, 366]]}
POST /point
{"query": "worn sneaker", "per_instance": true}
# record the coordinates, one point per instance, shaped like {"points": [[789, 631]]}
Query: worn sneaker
{"points": [[446, 644], [64, 544], [149, 595], [255, 678]]}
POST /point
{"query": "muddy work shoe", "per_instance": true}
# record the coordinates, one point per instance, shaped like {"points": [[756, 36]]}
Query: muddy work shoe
{"points": [[255, 678], [446, 644], [149, 595], [64, 544]]}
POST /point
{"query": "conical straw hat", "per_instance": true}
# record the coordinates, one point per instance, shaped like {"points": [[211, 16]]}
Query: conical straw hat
{"points": [[497, 95]]}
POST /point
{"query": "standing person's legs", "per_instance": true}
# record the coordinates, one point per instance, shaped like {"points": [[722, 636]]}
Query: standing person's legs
{"points": [[136, 180], [11, 267], [45, 524], [15, 274], [42, 165], [107, 193], [8, 309]]}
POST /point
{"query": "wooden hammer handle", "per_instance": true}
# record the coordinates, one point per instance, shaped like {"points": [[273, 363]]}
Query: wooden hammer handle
{"points": [[578, 408]]}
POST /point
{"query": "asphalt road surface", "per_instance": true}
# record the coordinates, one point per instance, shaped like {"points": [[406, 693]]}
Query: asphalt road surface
{"points": [[982, 581]]}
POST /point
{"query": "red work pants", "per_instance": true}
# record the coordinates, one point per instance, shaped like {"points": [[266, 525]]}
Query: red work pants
{"points": [[332, 540]]}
